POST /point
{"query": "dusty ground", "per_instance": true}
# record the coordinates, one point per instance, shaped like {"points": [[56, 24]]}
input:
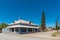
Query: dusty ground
{"points": [[31, 36]]}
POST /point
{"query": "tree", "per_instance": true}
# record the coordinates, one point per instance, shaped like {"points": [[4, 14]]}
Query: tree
{"points": [[43, 21], [59, 26], [4, 25], [56, 24], [0, 27]]}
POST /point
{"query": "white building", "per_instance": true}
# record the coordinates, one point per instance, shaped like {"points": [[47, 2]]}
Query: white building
{"points": [[22, 26]]}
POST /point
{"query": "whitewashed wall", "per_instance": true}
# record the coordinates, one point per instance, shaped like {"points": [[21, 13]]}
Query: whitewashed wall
{"points": [[5, 30]]}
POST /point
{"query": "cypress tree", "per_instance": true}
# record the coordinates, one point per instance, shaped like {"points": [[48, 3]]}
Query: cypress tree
{"points": [[56, 24], [43, 21]]}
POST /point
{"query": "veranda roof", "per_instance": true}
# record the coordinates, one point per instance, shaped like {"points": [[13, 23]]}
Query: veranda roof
{"points": [[22, 26]]}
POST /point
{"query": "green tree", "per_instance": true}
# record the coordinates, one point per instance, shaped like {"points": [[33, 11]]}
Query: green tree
{"points": [[43, 21], [56, 24], [0, 27], [4, 25], [59, 26]]}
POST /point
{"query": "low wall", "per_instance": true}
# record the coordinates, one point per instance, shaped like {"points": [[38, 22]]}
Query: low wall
{"points": [[5, 30]]}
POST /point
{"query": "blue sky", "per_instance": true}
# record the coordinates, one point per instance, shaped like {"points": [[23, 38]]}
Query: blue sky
{"points": [[31, 10]]}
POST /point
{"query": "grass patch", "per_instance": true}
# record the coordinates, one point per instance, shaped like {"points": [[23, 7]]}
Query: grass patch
{"points": [[55, 34]]}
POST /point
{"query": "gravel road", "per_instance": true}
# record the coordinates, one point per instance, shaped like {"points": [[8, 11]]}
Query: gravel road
{"points": [[14, 37]]}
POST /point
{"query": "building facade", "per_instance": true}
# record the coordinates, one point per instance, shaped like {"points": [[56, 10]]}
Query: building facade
{"points": [[22, 26]]}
